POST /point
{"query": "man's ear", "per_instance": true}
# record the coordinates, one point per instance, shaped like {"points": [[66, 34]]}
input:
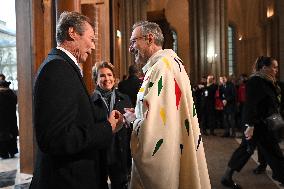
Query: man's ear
{"points": [[72, 33], [150, 38]]}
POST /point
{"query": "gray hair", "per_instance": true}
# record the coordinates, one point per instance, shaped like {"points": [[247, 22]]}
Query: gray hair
{"points": [[153, 28], [67, 20]]}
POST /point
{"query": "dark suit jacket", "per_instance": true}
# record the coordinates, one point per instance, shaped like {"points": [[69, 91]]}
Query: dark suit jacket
{"points": [[67, 131]]}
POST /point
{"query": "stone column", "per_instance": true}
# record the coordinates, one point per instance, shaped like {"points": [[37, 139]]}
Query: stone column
{"points": [[208, 22], [280, 15]]}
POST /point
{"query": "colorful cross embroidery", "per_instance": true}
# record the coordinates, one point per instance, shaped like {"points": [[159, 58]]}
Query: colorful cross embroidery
{"points": [[186, 124], [177, 61], [168, 64], [160, 85], [198, 142], [194, 110], [178, 94], [163, 115], [181, 148], [158, 145]]}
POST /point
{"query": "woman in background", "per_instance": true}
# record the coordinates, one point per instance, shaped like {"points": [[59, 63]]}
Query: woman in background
{"points": [[117, 159], [262, 100]]}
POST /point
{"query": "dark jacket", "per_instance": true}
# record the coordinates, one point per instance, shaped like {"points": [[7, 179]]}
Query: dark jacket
{"points": [[208, 99], [8, 117], [119, 152], [230, 95], [68, 133], [261, 102], [130, 86]]}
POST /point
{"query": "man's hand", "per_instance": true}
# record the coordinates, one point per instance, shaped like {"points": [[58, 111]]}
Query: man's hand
{"points": [[129, 115], [116, 120]]}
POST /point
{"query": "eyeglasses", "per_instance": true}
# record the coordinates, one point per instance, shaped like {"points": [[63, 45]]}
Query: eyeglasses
{"points": [[132, 41]]}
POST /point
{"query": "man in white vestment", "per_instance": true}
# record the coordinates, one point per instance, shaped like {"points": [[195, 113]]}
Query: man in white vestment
{"points": [[166, 143]]}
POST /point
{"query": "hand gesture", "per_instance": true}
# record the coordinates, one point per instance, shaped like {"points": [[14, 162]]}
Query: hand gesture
{"points": [[129, 115], [116, 120]]}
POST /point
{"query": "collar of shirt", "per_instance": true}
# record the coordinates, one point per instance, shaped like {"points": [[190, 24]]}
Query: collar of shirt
{"points": [[72, 58]]}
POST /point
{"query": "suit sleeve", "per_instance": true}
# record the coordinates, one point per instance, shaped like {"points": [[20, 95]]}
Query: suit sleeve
{"points": [[64, 117]]}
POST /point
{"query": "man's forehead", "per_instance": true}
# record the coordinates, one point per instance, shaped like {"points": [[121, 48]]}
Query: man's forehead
{"points": [[136, 31]]}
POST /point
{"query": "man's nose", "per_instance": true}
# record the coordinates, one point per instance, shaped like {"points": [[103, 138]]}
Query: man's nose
{"points": [[93, 47]]}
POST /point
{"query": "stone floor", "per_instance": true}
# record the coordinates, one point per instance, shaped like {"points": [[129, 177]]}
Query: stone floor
{"points": [[10, 178], [217, 149]]}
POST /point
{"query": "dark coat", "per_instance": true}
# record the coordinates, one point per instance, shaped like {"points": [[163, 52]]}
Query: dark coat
{"points": [[8, 103], [261, 102], [130, 86], [230, 95], [68, 133], [208, 99], [118, 155], [8, 125]]}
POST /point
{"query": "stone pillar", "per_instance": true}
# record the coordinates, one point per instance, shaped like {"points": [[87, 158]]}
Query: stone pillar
{"points": [[34, 40], [208, 22], [130, 12], [280, 15]]}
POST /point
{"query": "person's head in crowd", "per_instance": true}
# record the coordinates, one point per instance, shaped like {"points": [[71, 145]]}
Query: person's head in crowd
{"points": [[2, 77], [103, 75], [146, 39], [74, 32], [243, 78], [266, 65], [225, 79], [210, 80], [221, 80], [133, 70]]}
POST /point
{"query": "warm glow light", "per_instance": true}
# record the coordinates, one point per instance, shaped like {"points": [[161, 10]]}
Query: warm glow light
{"points": [[240, 38], [269, 12], [118, 34], [211, 55]]}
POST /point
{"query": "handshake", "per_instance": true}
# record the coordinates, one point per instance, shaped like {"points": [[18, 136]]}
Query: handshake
{"points": [[117, 120]]}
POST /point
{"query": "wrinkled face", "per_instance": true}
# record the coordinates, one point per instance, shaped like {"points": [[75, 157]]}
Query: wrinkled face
{"points": [[105, 79], [272, 69], [84, 44], [139, 46]]}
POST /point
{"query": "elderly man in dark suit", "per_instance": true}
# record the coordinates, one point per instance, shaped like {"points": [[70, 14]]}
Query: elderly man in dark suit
{"points": [[67, 131]]}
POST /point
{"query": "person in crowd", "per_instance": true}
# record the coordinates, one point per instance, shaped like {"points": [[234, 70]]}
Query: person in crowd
{"points": [[197, 95], [132, 84], [219, 106], [8, 117], [166, 143], [261, 168], [67, 131], [262, 100], [117, 158], [229, 101], [241, 98], [208, 106]]}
